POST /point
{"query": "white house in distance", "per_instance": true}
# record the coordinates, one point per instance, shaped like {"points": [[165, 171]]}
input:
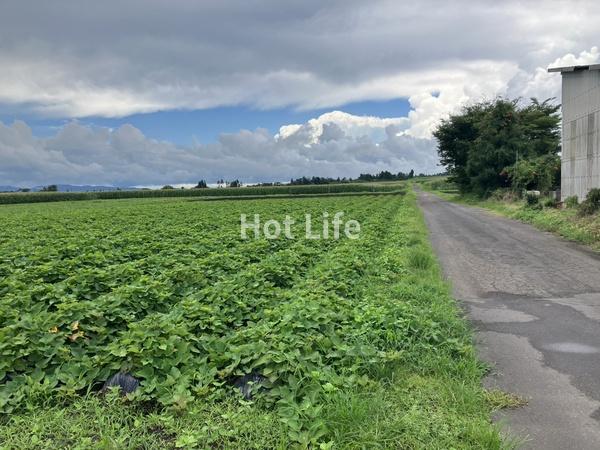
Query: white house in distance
{"points": [[580, 129]]}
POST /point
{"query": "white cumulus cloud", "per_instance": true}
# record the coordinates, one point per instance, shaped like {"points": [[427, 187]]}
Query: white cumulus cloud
{"points": [[80, 154], [114, 59]]}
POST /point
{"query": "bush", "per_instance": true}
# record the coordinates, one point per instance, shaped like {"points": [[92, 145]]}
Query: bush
{"points": [[591, 204], [572, 202], [532, 200], [541, 173], [442, 185], [505, 195], [550, 202]]}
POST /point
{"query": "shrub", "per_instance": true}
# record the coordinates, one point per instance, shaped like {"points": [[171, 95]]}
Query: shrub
{"points": [[498, 194], [572, 202], [442, 185], [532, 200], [550, 202], [541, 173], [505, 195], [591, 204]]}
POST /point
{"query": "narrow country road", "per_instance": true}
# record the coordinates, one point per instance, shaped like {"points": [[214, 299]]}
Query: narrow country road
{"points": [[534, 301]]}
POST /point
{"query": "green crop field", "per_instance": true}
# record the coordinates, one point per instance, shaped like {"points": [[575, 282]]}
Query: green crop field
{"points": [[357, 342], [248, 191]]}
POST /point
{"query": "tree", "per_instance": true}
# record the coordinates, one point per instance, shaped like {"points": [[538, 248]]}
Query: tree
{"points": [[480, 145], [201, 185], [50, 188], [455, 137], [498, 141], [167, 186], [234, 184], [411, 174]]}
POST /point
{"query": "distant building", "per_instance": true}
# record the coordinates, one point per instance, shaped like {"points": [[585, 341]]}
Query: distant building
{"points": [[580, 129]]}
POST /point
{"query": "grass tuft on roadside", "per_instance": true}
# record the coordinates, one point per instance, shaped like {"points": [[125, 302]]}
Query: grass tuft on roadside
{"points": [[498, 399]]}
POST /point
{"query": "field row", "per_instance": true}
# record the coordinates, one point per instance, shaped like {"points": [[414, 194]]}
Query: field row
{"points": [[254, 191]]}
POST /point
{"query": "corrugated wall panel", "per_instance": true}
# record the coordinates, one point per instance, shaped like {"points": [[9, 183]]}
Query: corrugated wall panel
{"points": [[581, 133]]}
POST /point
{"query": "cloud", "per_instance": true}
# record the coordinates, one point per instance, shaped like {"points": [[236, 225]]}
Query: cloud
{"points": [[542, 84], [584, 58], [80, 154], [114, 59], [119, 58], [349, 124]]}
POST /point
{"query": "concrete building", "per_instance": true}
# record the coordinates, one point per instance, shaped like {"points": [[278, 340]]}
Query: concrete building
{"points": [[580, 129]]}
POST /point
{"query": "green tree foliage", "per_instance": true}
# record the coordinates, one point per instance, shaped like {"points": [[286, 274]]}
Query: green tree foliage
{"points": [[384, 175], [50, 188], [201, 185], [481, 145], [539, 173]]}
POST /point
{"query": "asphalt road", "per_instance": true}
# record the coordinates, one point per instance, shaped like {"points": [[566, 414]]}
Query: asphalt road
{"points": [[534, 301]]}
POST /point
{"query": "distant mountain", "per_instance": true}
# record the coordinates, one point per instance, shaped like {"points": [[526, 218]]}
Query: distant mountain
{"points": [[8, 188]]}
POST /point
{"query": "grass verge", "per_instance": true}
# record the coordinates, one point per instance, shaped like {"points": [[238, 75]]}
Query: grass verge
{"points": [[566, 223]]}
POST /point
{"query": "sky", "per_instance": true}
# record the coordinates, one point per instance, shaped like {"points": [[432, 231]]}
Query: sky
{"points": [[152, 92]]}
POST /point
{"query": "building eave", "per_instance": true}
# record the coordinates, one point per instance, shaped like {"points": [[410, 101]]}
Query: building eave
{"points": [[574, 68]]}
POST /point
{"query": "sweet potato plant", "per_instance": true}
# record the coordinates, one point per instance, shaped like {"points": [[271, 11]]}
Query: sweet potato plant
{"points": [[167, 291]]}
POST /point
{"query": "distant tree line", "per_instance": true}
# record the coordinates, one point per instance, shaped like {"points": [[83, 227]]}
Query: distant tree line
{"points": [[220, 183], [318, 180], [385, 175], [381, 176], [502, 144]]}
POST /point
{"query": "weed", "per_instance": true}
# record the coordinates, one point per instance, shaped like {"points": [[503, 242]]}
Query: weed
{"points": [[572, 202], [591, 204], [551, 202], [532, 200], [498, 399], [420, 260]]}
